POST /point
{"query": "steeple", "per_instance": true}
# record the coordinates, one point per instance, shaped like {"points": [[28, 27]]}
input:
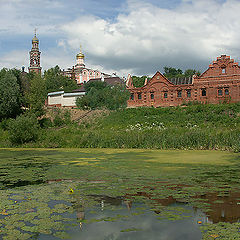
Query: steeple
{"points": [[35, 55], [80, 58]]}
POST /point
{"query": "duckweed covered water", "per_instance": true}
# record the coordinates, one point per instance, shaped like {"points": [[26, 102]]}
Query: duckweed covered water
{"points": [[119, 194]]}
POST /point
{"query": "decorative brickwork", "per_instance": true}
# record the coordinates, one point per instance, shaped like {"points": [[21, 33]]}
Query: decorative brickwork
{"points": [[35, 56], [219, 83]]}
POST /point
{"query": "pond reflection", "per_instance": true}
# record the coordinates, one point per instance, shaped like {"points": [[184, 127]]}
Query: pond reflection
{"points": [[136, 223], [121, 218]]}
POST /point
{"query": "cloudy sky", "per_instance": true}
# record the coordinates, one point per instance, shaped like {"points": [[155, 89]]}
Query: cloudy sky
{"points": [[123, 36]]}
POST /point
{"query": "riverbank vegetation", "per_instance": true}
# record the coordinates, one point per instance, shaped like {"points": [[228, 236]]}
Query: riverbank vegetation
{"points": [[200, 126], [195, 126]]}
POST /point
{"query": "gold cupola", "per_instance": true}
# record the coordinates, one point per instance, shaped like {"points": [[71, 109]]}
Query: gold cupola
{"points": [[80, 55], [35, 39]]}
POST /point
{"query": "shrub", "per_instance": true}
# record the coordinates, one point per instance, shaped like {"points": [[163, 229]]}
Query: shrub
{"points": [[110, 97], [61, 117], [23, 129], [4, 124], [58, 121], [45, 123]]}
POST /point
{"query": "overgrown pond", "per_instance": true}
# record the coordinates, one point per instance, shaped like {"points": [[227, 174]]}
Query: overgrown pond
{"points": [[119, 194]]}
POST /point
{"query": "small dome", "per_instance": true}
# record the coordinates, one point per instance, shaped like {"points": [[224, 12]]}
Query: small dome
{"points": [[80, 55], [35, 39]]}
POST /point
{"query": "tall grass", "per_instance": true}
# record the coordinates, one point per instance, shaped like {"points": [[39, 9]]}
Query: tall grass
{"points": [[191, 127]]}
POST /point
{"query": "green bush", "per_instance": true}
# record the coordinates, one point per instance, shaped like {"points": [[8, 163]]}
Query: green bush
{"points": [[4, 124], [62, 117], [58, 121], [109, 97], [45, 123], [23, 129]]}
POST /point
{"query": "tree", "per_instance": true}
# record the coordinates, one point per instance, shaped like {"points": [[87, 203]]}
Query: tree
{"points": [[23, 129], [138, 81], [170, 72], [98, 85], [191, 72], [10, 96], [36, 95], [100, 95], [55, 81]]}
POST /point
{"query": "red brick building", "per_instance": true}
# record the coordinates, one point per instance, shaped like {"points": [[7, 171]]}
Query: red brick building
{"points": [[219, 83]]}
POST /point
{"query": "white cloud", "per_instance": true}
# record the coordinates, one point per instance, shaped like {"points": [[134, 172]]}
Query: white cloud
{"points": [[14, 59], [141, 40], [147, 37]]}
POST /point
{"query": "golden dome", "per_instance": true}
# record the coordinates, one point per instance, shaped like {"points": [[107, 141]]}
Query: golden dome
{"points": [[80, 55], [35, 39]]}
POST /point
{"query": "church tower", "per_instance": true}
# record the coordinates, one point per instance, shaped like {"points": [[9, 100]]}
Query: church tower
{"points": [[35, 56]]}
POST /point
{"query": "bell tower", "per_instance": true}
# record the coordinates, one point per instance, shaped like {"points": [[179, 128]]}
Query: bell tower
{"points": [[35, 56]]}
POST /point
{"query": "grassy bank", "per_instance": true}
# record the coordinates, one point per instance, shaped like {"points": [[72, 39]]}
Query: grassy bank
{"points": [[191, 127]]}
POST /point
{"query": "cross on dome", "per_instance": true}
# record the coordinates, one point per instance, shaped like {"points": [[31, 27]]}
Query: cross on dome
{"points": [[80, 55], [35, 39]]}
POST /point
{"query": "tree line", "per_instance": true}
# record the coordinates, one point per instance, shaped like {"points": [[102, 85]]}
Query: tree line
{"points": [[169, 72], [20, 91]]}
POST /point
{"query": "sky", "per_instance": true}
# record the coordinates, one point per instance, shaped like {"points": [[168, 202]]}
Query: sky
{"points": [[123, 36]]}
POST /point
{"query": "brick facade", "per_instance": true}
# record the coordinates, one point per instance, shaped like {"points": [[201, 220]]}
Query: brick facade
{"points": [[219, 83]]}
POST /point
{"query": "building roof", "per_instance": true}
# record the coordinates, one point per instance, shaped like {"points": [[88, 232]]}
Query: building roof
{"points": [[112, 81], [181, 80], [55, 93]]}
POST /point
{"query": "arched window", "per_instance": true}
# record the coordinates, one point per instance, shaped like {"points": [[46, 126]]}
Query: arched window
{"points": [[139, 96], [220, 92], [226, 91], [204, 92], [132, 96], [179, 93], [165, 94], [152, 95], [188, 93]]}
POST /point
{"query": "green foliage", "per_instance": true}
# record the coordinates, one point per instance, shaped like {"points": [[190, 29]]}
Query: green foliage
{"points": [[58, 121], [191, 72], [61, 117], [98, 85], [23, 129], [170, 72], [36, 95], [192, 127], [4, 124], [197, 126], [55, 81], [10, 95], [99, 96], [45, 122], [138, 81]]}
